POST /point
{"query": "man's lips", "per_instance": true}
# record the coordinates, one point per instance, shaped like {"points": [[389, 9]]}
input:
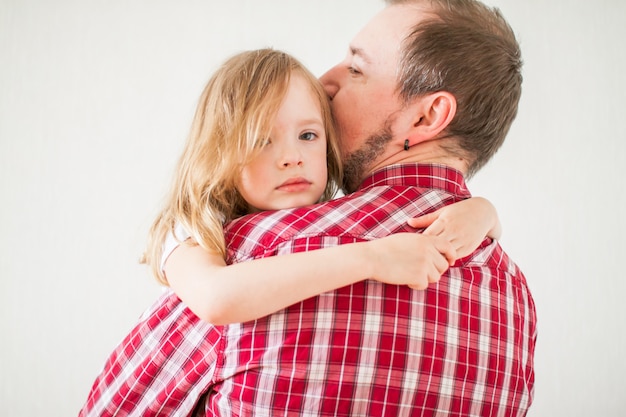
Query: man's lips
{"points": [[294, 185]]}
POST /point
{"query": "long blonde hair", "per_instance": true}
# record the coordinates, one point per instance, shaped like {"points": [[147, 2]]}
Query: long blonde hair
{"points": [[235, 111]]}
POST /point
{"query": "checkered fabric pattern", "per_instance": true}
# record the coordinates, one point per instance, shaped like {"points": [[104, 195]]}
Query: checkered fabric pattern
{"points": [[464, 347]]}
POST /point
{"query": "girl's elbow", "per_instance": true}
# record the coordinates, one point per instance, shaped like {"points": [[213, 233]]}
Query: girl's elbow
{"points": [[214, 313]]}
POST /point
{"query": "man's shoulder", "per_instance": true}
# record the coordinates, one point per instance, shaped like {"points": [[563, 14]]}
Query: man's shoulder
{"points": [[491, 258], [265, 228], [366, 214]]}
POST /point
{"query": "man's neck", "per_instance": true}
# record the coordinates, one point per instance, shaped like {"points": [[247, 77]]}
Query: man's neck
{"points": [[422, 153]]}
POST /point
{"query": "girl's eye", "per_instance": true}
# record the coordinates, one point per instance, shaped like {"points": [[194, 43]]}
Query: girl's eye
{"points": [[307, 136], [353, 71], [261, 143]]}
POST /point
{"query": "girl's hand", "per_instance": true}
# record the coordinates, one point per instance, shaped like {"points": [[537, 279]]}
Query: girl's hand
{"points": [[412, 259], [464, 224]]}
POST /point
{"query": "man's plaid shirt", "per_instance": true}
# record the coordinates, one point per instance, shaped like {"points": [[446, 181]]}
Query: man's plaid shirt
{"points": [[463, 347]]}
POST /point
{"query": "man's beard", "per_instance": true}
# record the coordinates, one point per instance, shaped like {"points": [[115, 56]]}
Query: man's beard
{"points": [[357, 163]]}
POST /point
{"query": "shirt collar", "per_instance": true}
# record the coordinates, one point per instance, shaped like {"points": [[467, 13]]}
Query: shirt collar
{"points": [[419, 175]]}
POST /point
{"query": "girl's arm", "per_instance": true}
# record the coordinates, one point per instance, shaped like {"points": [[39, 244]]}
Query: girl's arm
{"points": [[245, 291], [464, 224], [222, 294]]}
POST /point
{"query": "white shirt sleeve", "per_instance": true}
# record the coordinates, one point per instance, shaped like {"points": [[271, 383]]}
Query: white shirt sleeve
{"points": [[172, 241]]}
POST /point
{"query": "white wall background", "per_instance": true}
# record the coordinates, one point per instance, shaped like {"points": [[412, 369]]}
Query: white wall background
{"points": [[95, 101]]}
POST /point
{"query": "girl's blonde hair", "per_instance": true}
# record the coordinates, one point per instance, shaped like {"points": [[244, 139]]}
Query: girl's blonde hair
{"points": [[235, 112]]}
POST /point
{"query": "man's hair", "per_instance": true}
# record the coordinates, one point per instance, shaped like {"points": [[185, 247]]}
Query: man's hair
{"points": [[469, 50]]}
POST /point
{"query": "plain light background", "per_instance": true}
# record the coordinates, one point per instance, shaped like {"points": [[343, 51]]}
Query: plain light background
{"points": [[96, 98]]}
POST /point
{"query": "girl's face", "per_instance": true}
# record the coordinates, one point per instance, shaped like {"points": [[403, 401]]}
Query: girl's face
{"points": [[290, 171]]}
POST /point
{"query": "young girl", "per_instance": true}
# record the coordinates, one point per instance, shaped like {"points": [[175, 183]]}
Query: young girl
{"points": [[263, 139]]}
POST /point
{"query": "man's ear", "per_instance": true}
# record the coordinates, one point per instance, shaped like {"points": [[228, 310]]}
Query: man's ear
{"points": [[433, 113]]}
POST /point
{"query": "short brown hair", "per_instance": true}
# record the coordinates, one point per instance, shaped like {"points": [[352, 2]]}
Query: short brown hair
{"points": [[469, 50]]}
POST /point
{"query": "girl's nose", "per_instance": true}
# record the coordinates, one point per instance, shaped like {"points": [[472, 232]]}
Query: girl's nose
{"points": [[291, 156]]}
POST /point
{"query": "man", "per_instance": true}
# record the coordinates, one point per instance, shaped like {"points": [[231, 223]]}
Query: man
{"points": [[425, 95]]}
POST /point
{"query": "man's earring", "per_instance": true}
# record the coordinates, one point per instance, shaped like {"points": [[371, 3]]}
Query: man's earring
{"points": [[406, 144]]}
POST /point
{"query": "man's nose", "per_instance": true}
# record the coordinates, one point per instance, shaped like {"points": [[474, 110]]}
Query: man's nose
{"points": [[330, 82]]}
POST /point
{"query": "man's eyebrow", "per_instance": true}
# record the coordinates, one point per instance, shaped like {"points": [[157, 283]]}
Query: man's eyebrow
{"points": [[359, 52]]}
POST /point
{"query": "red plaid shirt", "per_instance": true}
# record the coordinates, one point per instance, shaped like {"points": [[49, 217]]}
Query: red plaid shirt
{"points": [[464, 347]]}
